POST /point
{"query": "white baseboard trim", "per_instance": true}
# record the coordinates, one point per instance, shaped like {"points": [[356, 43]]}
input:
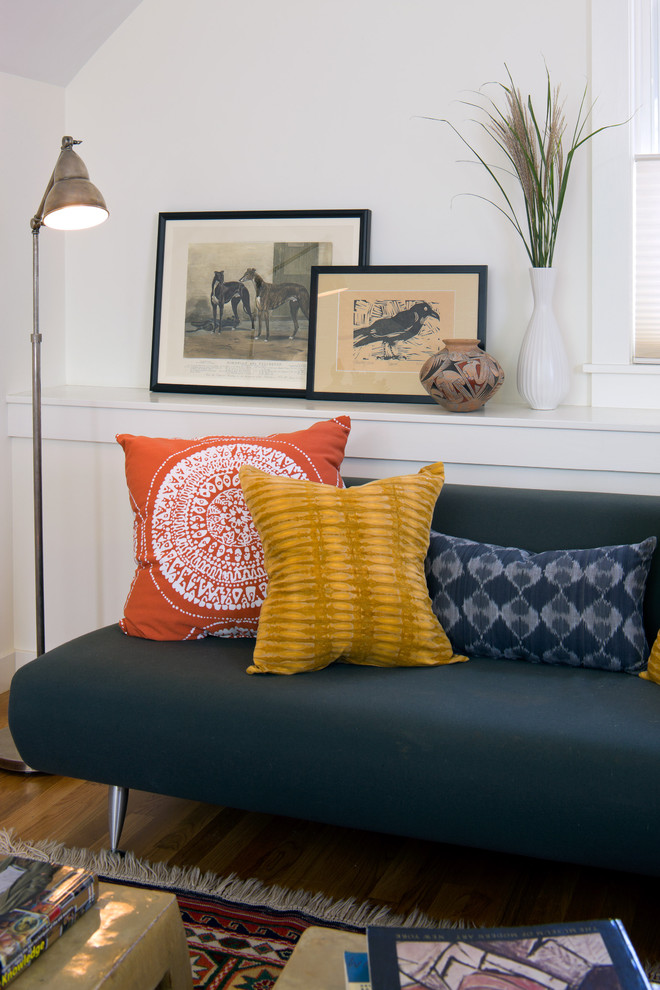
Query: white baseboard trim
{"points": [[7, 668], [10, 663]]}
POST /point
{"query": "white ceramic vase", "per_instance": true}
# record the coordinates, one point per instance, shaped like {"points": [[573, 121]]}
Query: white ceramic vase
{"points": [[543, 371]]}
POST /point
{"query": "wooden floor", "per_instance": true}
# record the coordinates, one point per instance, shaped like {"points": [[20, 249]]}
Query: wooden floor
{"points": [[446, 882]]}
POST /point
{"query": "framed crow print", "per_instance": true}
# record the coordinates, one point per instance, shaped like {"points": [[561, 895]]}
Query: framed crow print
{"points": [[372, 328], [231, 311]]}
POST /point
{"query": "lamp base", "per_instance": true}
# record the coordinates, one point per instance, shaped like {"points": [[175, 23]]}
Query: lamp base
{"points": [[10, 758]]}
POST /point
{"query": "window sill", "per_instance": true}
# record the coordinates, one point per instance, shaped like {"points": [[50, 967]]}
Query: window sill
{"points": [[621, 369], [625, 386]]}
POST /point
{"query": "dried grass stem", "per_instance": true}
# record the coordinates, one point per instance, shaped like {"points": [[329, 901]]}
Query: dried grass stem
{"points": [[533, 145]]}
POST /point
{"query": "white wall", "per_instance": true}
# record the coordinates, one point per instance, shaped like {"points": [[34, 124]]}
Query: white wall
{"points": [[212, 106], [32, 116]]}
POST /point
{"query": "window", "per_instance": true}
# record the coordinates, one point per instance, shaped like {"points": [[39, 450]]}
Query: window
{"points": [[617, 380], [646, 148]]}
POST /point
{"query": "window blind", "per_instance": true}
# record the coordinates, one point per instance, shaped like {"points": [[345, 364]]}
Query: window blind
{"points": [[647, 258], [646, 128]]}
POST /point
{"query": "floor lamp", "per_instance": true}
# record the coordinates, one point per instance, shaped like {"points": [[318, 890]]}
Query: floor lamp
{"points": [[70, 202]]}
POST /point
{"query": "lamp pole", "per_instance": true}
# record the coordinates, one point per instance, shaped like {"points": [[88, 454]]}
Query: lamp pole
{"points": [[70, 202], [37, 473]]}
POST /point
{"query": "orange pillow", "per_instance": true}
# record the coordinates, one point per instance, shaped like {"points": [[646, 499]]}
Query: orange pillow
{"points": [[200, 566]]}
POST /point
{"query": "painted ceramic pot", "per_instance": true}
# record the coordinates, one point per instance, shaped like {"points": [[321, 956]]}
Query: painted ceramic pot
{"points": [[462, 376]]}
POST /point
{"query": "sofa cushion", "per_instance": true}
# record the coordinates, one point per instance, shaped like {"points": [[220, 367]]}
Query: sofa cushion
{"points": [[346, 573], [529, 759], [200, 567], [577, 607]]}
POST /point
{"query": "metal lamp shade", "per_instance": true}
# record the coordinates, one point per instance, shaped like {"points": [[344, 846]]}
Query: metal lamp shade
{"points": [[73, 202]]}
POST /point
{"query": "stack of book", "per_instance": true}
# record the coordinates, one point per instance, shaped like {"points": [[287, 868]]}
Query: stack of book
{"points": [[595, 955], [38, 901]]}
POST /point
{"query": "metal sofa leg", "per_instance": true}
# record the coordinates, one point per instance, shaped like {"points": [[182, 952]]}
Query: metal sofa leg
{"points": [[117, 801]]}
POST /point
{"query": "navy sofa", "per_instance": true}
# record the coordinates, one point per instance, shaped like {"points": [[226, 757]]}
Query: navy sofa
{"points": [[554, 762]]}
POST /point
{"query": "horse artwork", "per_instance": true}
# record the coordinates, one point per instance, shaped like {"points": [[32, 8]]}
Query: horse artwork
{"points": [[270, 295], [228, 292]]}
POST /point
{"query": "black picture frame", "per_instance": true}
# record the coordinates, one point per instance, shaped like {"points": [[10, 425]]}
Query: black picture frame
{"points": [[203, 338], [344, 363]]}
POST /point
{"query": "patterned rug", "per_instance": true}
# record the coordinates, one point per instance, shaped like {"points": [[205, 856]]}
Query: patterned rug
{"points": [[237, 947]]}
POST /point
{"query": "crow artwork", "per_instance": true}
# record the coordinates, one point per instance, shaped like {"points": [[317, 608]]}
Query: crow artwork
{"points": [[391, 330]]}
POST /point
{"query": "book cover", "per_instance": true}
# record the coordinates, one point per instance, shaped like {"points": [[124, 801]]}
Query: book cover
{"points": [[38, 901], [356, 971], [593, 955]]}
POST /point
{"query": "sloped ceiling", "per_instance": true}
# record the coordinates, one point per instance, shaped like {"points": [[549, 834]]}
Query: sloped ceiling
{"points": [[51, 40]]}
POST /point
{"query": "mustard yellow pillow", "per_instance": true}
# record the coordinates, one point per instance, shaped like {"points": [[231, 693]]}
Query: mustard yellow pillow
{"points": [[345, 572], [652, 672]]}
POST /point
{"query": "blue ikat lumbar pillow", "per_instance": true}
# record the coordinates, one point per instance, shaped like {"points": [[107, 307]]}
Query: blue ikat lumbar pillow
{"points": [[582, 608]]}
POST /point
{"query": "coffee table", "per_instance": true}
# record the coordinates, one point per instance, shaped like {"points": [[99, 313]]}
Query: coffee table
{"points": [[317, 962], [131, 939]]}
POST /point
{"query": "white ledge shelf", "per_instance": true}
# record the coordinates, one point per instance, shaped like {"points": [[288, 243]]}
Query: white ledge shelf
{"points": [[492, 414], [588, 448]]}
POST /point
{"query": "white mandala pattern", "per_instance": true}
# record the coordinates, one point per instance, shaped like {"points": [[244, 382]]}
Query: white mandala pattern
{"points": [[202, 534]]}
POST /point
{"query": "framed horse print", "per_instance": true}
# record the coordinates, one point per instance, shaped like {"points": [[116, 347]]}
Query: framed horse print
{"points": [[231, 309]]}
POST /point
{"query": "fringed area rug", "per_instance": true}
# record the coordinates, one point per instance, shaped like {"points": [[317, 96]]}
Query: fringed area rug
{"points": [[234, 947], [240, 933]]}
